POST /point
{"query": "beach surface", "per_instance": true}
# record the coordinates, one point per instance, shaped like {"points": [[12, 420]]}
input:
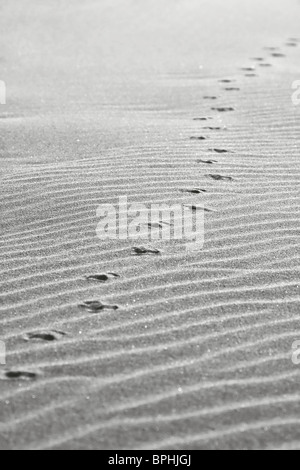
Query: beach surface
{"points": [[176, 102]]}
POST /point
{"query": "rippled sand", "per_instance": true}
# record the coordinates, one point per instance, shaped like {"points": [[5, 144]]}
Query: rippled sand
{"points": [[163, 102]]}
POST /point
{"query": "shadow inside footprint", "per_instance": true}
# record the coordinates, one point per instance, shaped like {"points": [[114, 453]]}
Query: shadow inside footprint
{"points": [[157, 225], [95, 306], [220, 177], [208, 162], [215, 128], [219, 150], [18, 375], [226, 80], [195, 208], [223, 110], [102, 277], [44, 336], [194, 191], [139, 251]]}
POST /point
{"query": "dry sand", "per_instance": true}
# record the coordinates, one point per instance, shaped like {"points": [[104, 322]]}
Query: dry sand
{"points": [[102, 98]]}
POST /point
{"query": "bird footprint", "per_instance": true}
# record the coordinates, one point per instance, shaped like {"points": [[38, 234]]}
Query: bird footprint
{"points": [[102, 277], [208, 162], [97, 306], [219, 150], [18, 375], [195, 208], [157, 225], [226, 80], [139, 251], [194, 191], [223, 110], [220, 177], [44, 336], [209, 128]]}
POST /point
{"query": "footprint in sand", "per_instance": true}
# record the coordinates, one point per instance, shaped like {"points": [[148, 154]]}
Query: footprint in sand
{"points": [[202, 119], [195, 208], [220, 177], [258, 59], [95, 306], [194, 191], [292, 42], [49, 336], [19, 375], [271, 48], [8, 116], [251, 75], [248, 69], [198, 138], [210, 97], [140, 251], [215, 128], [226, 80], [157, 225], [265, 65], [223, 110], [219, 150], [278, 55], [102, 277], [207, 162], [232, 89]]}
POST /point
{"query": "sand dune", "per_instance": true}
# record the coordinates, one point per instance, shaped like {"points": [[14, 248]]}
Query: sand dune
{"points": [[111, 348]]}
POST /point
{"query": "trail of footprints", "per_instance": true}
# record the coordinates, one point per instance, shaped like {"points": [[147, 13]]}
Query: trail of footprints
{"points": [[231, 86], [96, 306]]}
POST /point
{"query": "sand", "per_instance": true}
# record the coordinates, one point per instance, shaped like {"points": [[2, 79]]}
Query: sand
{"points": [[109, 99]]}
